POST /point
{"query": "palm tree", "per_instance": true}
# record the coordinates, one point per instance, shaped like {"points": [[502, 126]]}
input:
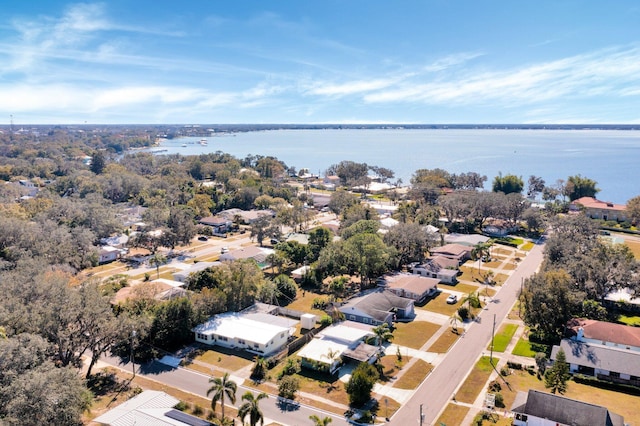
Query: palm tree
{"points": [[220, 387], [480, 250], [320, 421], [454, 322], [383, 334], [332, 355], [473, 300], [251, 408], [259, 369], [157, 259]]}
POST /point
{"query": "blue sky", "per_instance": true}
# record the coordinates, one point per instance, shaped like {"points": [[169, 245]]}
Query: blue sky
{"points": [[347, 61]]}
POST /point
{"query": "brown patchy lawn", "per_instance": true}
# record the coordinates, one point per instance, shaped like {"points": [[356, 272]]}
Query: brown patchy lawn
{"points": [[110, 400], [453, 414], [476, 381], [412, 378], [304, 301], [391, 366], [224, 359], [444, 342], [439, 304], [500, 278], [414, 334], [635, 248]]}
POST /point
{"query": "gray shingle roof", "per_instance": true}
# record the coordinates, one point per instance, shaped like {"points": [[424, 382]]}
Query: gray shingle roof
{"points": [[566, 411], [601, 357], [378, 304]]}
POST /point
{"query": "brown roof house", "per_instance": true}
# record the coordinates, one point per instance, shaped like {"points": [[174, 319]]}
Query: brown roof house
{"points": [[542, 408], [220, 225], [440, 267], [596, 209], [605, 333], [459, 252], [411, 286]]}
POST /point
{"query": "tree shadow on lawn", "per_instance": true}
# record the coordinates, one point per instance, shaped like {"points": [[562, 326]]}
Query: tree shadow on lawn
{"points": [[324, 380]]}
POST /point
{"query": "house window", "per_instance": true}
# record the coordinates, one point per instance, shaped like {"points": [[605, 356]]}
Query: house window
{"points": [[222, 338], [255, 345], [203, 336], [281, 335], [614, 374], [352, 317], [242, 342]]}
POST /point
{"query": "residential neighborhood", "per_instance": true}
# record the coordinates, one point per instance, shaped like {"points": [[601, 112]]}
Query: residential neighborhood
{"points": [[328, 298]]}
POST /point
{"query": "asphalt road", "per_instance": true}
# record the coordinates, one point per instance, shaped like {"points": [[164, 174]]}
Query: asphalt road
{"points": [[290, 414], [437, 390]]}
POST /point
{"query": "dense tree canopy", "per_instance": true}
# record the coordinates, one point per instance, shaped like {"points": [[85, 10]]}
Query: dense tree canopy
{"points": [[508, 184]]}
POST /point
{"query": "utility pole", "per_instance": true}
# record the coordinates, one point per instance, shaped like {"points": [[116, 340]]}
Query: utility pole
{"points": [[421, 415], [133, 362]]}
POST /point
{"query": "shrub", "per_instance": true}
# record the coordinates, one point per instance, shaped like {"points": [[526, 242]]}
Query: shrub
{"points": [[505, 371], [494, 386], [319, 303], [463, 313], [197, 410], [182, 406], [326, 320], [288, 386], [514, 365], [290, 367], [499, 400], [602, 384]]}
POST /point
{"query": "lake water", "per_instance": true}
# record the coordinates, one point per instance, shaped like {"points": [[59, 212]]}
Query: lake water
{"points": [[610, 157]]}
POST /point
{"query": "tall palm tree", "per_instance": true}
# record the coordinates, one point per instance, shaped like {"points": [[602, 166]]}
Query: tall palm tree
{"points": [[383, 334], [320, 421], [221, 386], [251, 408], [157, 259]]}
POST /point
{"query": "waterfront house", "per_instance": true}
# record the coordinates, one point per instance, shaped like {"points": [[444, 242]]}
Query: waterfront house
{"points": [[596, 209]]}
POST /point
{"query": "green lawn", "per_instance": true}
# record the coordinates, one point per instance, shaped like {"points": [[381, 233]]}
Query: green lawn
{"points": [[526, 348], [633, 321], [527, 246], [503, 337]]}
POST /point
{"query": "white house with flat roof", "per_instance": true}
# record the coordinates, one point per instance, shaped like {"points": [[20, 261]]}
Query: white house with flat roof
{"points": [[258, 333], [335, 343]]}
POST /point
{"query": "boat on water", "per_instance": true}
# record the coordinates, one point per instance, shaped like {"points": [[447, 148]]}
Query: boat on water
{"points": [[184, 145], [203, 142]]}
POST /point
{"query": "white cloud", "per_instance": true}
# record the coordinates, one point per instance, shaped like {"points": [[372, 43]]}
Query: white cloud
{"points": [[588, 75]]}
